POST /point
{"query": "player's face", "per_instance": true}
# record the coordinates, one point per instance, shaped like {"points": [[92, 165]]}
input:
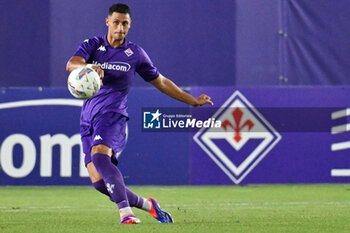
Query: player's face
{"points": [[118, 25]]}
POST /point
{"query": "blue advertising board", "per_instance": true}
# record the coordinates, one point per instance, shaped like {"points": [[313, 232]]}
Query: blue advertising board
{"points": [[40, 144], [250, 136], [274, 135], [40, 141]]}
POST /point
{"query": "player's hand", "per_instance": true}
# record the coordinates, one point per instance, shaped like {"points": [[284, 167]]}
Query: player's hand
{"points": [[100, 73], [202, 100]]}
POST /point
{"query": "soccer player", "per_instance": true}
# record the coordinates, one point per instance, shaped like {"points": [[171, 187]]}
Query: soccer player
{"points": [[104, 117]]}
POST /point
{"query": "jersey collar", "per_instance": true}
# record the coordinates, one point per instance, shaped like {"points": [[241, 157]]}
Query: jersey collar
{"points": [[106, 43]]}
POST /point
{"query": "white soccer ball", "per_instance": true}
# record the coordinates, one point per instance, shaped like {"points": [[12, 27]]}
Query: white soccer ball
{"points": [[83, 83]]}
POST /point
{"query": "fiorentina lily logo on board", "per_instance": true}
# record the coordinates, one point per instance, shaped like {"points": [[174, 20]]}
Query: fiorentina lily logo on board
{"points": [[244, 139]]}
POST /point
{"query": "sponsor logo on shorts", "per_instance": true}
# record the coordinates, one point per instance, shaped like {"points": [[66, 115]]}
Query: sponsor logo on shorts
{"points": [[97, 137]]}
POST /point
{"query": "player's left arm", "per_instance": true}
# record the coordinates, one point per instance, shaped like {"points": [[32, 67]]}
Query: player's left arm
{"points": [[171, 89]]}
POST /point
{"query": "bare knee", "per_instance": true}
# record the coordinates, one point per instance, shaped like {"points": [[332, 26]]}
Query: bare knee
{"points": [[101, 149]]}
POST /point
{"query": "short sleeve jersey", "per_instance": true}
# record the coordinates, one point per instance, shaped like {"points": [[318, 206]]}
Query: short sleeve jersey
{"points": [[119, 66]]}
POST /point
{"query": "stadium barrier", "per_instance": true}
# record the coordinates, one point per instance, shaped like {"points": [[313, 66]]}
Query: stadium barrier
{"points": [[250, 136]]}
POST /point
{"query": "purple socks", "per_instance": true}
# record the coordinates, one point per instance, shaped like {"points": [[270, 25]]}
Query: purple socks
{"points": [[112, 178], [100, 186], [134, 200]]}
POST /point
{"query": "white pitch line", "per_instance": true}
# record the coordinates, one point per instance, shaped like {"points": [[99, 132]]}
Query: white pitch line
{"points": [[248, 205]]}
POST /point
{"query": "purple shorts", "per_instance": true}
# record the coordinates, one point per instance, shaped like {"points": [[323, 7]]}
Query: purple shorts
{"points": [[108, 129]]}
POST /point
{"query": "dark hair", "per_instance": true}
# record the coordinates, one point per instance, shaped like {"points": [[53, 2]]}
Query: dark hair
{"points": [[120, 8]]}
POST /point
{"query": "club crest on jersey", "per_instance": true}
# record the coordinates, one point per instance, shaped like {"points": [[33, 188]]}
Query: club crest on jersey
{"points": [[244, 139], [128, 52]]}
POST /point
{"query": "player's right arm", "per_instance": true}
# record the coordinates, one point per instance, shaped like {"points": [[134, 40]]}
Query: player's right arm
{"points": [[77, 62]]}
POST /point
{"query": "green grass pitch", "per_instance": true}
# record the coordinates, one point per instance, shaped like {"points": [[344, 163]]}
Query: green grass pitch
{"points": [[214, 209]]}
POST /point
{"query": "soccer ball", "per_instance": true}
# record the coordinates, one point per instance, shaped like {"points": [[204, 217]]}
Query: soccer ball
{"points": [[83, 83]]}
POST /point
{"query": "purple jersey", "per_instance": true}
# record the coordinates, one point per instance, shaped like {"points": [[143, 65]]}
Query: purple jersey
{"points": [[119, 66]]}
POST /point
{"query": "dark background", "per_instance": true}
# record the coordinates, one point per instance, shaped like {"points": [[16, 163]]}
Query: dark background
{"points": [[193, 42]]}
